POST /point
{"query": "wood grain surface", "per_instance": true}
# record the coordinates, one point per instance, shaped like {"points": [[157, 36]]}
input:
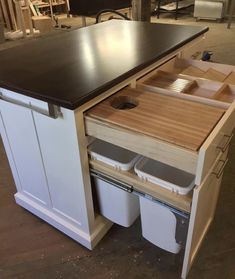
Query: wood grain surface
{"points": [[212, 74], [230, 78], [177, 121], [193, 71], [168, 81], [227, 94]]}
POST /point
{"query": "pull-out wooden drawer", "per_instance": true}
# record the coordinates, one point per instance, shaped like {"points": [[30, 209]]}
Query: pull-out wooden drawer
{"points": [[194, 78], [181, 133], [169, 80], [201, 69]]}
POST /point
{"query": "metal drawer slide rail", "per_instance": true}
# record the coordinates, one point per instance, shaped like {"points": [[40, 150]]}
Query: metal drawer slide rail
{"points": [[182, 218]]}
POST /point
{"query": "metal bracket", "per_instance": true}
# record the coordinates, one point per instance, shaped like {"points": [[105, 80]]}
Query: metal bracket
{"points": [[182, 223], [53, 111]]}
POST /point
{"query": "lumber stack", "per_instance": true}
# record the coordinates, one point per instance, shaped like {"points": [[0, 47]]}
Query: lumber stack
{"points": [[16, 17], [8, 14]]}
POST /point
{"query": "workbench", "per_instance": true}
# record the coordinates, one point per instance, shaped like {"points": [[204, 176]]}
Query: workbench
{"points": [[49, 89]]}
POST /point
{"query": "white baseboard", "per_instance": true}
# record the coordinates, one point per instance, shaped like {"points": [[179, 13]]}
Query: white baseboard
{"points": [[87, 240]]}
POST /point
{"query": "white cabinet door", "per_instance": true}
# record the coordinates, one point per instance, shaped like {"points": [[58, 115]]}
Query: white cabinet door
{"points": [[61, 156], [19, 134]]}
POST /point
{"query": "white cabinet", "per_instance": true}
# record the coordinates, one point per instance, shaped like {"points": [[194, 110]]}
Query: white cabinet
{"points": [[19, 133], [49, 159], [45, 158], [61, 157]]}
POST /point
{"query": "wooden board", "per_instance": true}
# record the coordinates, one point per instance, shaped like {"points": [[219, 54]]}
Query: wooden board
{"points": [[193, 71], [177, 121], [230, 78], [227, 94], [5, 14], [212, 74], [203, 89]]}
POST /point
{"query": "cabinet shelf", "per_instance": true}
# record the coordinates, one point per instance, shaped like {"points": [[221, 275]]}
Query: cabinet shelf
{"points": [[181, 202]]}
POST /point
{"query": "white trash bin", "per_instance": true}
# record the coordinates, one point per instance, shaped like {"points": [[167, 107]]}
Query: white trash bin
{"points": [[158, 225], [117, 205], [168, 177], [158, 221]]}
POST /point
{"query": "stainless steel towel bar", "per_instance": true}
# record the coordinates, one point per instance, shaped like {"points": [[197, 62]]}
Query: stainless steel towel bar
{"points": [[53, 111]]}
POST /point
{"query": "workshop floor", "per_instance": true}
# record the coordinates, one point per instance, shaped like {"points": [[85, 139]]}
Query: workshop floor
{"points": [[29, 248]]}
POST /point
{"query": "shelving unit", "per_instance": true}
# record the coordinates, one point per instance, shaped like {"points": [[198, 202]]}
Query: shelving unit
{"points": [[50, 7]]}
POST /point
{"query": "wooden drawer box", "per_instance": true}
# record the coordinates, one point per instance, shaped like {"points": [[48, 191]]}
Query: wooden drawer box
{"points": [[169, 80], [191, 140], [201, 69]]}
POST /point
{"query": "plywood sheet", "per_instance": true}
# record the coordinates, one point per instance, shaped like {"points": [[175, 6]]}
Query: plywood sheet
{"points": [[177, 121]]}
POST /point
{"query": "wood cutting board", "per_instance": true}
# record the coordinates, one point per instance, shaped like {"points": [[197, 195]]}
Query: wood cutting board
{"points": [[177, 121]]}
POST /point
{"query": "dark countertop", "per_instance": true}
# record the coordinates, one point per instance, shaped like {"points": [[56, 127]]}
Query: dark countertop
{"points": [[72, 68]]}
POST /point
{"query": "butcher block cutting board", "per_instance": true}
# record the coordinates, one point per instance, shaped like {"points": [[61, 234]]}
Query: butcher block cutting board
{"points": [[177, 121]]}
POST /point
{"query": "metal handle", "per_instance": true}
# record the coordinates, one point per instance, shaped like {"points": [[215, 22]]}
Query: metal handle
{"points": [[219, 173], [224, 148], [53, 111]]}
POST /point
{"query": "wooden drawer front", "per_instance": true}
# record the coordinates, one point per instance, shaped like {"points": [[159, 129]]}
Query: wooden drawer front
{"points": [[143, 145], [217, 142]]}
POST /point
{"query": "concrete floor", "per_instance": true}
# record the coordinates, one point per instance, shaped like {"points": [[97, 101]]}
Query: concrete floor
{"points": [[29, 248]]}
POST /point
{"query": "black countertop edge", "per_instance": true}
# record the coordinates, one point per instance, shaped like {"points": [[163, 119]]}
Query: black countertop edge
{"points": [[127, 75], [76, 103]]}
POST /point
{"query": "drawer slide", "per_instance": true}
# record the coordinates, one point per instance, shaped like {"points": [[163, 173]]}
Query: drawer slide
{"points": [[106, 178]]}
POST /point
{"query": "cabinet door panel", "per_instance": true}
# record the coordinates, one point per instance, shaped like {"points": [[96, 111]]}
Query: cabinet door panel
{"points": [[61, 156], [217, 140], [203, 208], [20, 132]]}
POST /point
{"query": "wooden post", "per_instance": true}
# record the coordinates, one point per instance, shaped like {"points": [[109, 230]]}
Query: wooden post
{"points": [[5, 14], [20, 18], [12, 14]]}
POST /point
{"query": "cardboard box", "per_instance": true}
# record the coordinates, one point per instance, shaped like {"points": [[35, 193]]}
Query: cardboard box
{"points": [[42, 23]]}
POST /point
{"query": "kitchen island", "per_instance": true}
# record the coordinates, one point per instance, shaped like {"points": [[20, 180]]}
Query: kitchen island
{"points": [[47, 90]]}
